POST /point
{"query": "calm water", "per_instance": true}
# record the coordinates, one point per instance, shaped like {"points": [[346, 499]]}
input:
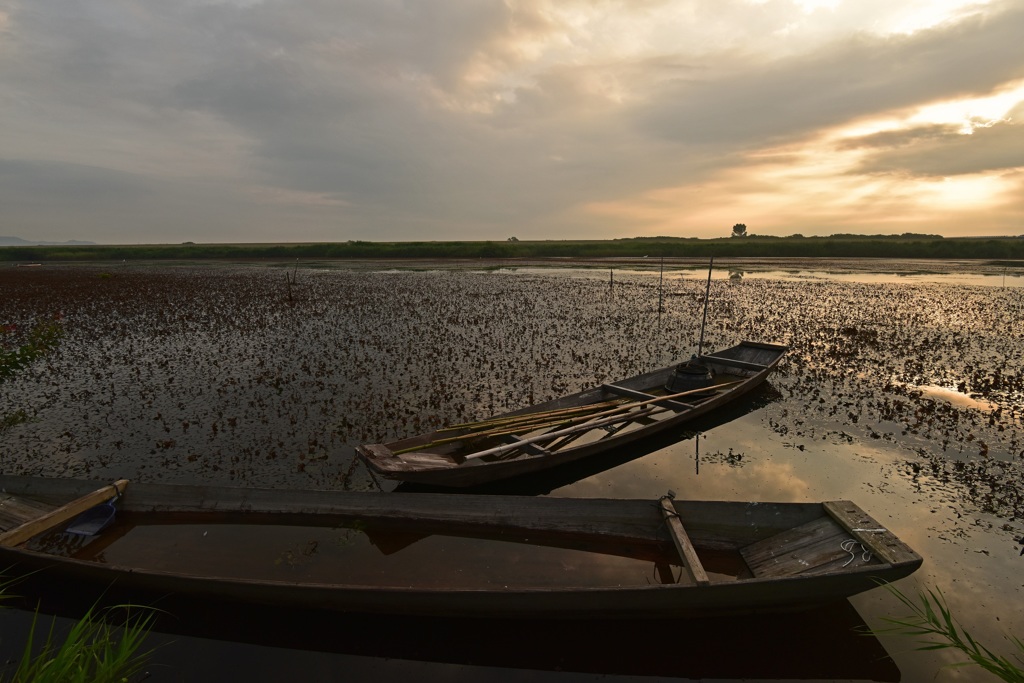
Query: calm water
{"points": [[902, 392]]}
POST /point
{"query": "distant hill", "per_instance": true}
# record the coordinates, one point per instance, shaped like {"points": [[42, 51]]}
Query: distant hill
{"points": [[18, 242]]}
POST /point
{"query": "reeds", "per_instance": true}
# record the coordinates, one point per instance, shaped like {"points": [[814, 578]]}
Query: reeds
{"points": [[932, 623], [92, 651]]}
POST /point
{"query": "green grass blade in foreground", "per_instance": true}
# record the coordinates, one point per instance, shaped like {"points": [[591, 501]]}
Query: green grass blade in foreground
{"points": [[935, 628], [92, 652]]}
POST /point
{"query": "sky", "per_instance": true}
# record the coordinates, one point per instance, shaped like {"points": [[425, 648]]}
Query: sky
{"points": [[157, 121]]}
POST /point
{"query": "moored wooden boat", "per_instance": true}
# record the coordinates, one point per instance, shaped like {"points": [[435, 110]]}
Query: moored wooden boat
{"points": [[581, 425], [608, 558]]}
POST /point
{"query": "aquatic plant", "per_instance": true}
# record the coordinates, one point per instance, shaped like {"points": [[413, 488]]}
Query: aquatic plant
{"points": [[211, 372], [42, 338], [935, 627], [92, 651]]}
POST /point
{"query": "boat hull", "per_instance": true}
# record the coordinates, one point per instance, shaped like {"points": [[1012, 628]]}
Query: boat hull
{"points": [[748, 364], [713, 526]]}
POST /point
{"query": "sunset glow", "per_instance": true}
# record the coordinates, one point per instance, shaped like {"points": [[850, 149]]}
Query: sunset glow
{"points": [[268, 121]]}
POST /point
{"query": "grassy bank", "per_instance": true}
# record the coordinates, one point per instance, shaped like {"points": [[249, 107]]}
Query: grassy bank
{"points": [[842, 246]]}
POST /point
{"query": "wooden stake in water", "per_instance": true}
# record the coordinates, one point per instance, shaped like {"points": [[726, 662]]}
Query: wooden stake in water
{"points": [[707, 294], [661, 281]]}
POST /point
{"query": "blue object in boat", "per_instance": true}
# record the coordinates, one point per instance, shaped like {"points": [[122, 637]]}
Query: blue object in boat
{"points": [[93, 520]]}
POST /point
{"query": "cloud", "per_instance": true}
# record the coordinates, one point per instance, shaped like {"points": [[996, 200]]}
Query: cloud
{"points": [[858, 77], [898, 138], [944, 151], [464, 119]]}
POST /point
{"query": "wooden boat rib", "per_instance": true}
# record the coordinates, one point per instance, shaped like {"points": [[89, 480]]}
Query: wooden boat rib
{"points": [[568, 429], [727, 557]]}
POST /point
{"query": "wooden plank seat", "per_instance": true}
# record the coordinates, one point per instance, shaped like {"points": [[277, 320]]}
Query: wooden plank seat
{"points": [[869, 532], [674, 404], [16, 510], [54, 517], [807, 549]]}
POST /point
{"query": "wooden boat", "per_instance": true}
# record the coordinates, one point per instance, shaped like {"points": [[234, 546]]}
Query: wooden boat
{"points": [[448, 555], [568, 429]]}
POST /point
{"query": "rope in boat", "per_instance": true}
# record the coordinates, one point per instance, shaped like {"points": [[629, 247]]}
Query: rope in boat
{"points": [[849, 545]]}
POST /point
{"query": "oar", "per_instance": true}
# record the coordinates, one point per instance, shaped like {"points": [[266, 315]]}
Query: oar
{"points": [[656, 399], [606, 413], [505, 429], [670, 397], [529, 417], [616, 412], [497, 450]]}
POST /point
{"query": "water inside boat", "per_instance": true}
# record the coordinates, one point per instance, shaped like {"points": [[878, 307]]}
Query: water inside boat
{"points": [[355, 555]]}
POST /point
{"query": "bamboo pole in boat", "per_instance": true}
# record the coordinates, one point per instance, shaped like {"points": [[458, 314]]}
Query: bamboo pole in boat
{"points": [[24, 532], [587, 425], [530, 425], [669, 397], [495, 422], [497, 450]]}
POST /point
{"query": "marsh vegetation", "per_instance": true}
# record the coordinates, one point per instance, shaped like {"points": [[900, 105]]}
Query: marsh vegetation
{"points": [[904, 395]]}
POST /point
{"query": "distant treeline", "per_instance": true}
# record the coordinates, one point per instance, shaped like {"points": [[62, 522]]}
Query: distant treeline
{"points": [[902, 246]]}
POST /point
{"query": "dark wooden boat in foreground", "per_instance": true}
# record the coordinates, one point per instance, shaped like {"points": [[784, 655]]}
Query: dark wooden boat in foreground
{"points": [[568, 429], [444, 555]]}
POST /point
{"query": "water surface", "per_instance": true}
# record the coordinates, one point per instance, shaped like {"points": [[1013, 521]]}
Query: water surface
{"points": [[903, 392]]}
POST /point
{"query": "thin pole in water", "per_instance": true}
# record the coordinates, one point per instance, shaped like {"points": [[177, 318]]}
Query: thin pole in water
{"points": [[696, 454], [661, 281], [707, 294]]}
